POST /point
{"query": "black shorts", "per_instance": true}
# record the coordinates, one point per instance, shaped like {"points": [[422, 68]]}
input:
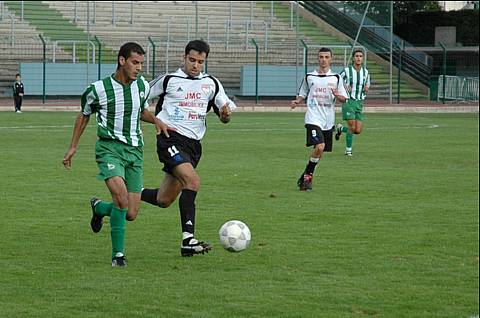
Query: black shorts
{"points": [[315, 136], [177, 149]]}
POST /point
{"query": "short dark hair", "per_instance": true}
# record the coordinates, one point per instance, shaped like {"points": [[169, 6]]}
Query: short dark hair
{"points": [[357, 51], [127, 49], [18, 74], [325, 49], [199, 46]]}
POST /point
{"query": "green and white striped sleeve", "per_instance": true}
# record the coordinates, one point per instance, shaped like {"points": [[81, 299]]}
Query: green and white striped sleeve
{"points": [[89, 101]]}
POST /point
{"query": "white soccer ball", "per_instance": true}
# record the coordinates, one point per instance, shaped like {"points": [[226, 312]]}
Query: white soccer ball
{"points": [[235, 236]]}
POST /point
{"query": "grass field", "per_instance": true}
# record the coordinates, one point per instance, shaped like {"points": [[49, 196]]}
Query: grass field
{"points": [[390, 232]]}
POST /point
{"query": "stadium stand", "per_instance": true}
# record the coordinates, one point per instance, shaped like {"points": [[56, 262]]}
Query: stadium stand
{"points": [[228, 26]]}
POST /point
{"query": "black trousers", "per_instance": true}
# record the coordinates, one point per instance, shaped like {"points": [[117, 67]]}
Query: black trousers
{"points": [[18, 102]]}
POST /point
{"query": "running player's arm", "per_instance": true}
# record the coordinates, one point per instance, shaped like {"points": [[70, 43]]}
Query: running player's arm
{"points": [[367, 82], [224, 104], [146, 115], [80, 124], [160, 126], [340, 93], [89, 102], [302, 94], [344, 77]]}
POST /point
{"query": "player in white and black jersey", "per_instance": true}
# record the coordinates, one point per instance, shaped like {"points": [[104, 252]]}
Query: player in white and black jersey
{"points": [[321, 89], [185, 98]]}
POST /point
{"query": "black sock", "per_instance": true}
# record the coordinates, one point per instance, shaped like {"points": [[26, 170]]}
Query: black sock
{"points": [[187, 210], [310, 168], [150, 196]]}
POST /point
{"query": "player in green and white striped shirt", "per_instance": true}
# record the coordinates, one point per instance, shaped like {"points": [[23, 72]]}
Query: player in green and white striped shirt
{"points": [[119, 102], [357, 80]]}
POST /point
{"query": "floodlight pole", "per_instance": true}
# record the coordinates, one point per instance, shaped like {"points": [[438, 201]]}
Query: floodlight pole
{"points": [[99, 56], [305, 56], [153, 56], [358, 32], [88, 42], [196, 19], [400, 52], [391, 50], [444, 71]]}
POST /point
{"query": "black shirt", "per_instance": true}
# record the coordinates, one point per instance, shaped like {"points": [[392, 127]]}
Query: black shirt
{"points": [[17, 88]]}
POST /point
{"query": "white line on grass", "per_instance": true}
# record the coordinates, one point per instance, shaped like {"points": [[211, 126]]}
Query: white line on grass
{"points": [[301, 128], [229, 129], [35, 127]]}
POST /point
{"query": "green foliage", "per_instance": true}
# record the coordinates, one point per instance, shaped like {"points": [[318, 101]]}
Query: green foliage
{"points": [[379, 11], [390, 232], [402, 9], [466, 22]]}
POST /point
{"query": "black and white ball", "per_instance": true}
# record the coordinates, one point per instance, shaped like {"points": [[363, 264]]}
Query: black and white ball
{"points": [[235, 236]]}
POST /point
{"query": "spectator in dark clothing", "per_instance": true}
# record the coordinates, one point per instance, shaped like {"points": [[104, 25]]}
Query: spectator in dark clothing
{"points": [[18, 91]]}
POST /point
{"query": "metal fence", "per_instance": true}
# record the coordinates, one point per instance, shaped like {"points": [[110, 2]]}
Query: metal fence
{"points": [[457, 88], [92, 31]]}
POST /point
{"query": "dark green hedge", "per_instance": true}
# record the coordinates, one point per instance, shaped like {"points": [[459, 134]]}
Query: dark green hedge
{"points": [[420, 28]]}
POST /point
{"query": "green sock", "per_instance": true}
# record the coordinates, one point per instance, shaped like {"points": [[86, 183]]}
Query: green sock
{"points": [[117, 226], [344, 129], [103, 208], [349, 140]]}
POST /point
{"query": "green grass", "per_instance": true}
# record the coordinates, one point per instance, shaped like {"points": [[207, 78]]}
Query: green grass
{"points": [[390, 232]]}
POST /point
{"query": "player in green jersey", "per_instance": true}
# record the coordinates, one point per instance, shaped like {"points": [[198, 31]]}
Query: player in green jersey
{"points": [[118, 102], [357, 80]]}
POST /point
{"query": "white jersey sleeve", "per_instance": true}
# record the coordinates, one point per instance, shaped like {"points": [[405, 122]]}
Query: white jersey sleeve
{"points": [[367, 82], [341, 88], [156, 87], [89, 100], [146, 93], [221, 98], [304, 88], [344, 75]]}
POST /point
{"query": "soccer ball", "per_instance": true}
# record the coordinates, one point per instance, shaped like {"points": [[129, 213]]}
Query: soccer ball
{"points": [[234, 236]]}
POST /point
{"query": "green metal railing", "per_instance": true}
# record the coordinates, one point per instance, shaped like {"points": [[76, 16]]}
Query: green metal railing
{"points": [[44, 73], [457, 88], [153, 55], [99, 56], [256, 70]]}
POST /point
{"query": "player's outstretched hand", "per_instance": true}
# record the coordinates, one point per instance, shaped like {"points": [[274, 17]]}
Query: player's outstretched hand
{"points": [[225, 113], [293, 104], [297, 101], [67, 159], [338, 96], [335, 92]]}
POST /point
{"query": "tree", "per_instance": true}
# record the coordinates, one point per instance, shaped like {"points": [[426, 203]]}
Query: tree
{"points": [[379, 11], [403, 9]]}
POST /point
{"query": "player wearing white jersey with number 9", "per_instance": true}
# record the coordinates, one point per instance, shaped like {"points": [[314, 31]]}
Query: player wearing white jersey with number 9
{"points": [[321, 89]]}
